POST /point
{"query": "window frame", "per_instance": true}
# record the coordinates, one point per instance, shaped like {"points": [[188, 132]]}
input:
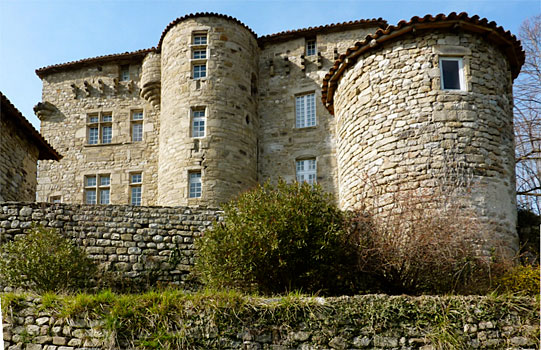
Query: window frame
{"points": [[136, 122], [98, 189], [307, 163], [100, 124], [195, 180], [461, 72], [199, 75], [195, 116], [136, 185], [308, 49], [302, 119], [124, 72]]}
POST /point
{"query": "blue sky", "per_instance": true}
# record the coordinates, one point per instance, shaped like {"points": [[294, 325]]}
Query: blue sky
{"points": [[38, 33]]}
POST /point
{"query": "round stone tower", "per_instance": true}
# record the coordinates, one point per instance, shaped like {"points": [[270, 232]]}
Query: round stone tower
{"points": [[208, 125], [427, 105]]}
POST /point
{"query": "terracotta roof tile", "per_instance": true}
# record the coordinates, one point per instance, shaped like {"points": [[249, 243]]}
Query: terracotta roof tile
{"points": [[41, 72], [46, 151], [200, 14], [507, 41], [286, 35]]}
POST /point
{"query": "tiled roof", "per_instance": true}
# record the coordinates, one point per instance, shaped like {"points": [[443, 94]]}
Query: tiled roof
{"points": [[289, 34], [41, 72], [490, 30], [8, 110], [200, 14]]}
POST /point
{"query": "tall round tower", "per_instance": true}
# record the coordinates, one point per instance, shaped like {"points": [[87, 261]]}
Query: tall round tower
{"points": [[208, 125], [425, 104]]}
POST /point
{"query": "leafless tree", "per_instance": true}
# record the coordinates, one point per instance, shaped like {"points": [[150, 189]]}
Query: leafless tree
{"points": [[527, 96]]}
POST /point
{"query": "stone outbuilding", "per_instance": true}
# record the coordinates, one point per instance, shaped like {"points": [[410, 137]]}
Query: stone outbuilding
{"points": [[21, 146]]}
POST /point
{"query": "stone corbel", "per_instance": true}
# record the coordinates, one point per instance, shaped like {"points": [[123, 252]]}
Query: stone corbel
{"points": [[44, 110], [271, 68], [131, 86], [101, 86], [303, 63], [74, 90], [87, 88], [319, 60], [116, 84], [287, 68]]}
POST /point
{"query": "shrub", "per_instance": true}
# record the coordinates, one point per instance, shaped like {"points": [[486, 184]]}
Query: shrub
{"points": [[426, 244], [276, 239], [44, 260], [520, 279]]}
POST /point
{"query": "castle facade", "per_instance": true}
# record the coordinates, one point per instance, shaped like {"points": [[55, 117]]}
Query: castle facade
{"points": [[358, 107]]}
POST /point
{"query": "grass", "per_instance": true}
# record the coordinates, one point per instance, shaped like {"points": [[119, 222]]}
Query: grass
{"points": [[172, 319]]}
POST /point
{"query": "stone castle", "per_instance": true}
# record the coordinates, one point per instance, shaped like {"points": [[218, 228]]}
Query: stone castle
{"points": [[358, 107]]}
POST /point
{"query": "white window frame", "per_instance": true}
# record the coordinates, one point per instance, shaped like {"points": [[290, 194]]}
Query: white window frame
{"points": [[311, 47], [198, 115], [305, 110], [136, 122], [195, 184], [99, 121], [200, 38], [136, 184], [201, 73], [199, 54], [306, 170], [461, 76], [97, 188]]}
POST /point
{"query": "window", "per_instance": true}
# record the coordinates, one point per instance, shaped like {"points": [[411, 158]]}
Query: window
{"points": [[55, 199], [199, 39], [136, 181], [194, 184], [125, 72], [306, 171], [137, 126], [310, 47], [199, 71], [305, 110], [452, 73], [97, 189], [99, 128], [199, 54], [198, 123]]}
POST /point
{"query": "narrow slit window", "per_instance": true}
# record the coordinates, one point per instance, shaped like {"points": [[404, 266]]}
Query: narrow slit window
{"points": [[452, 73]]}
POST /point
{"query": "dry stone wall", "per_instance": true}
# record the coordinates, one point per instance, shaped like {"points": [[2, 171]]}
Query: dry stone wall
{"points": [[398, 130], [361, 322], [73, 95], [137, 242], [18, 163]]}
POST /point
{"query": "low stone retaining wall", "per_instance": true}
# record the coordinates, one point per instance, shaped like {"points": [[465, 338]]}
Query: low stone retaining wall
{"points": [[151, 243], [180, 321]]}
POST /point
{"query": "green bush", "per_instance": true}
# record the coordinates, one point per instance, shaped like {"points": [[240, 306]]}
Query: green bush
{"points": [[44, 260], [520, 279], [276, 239]]}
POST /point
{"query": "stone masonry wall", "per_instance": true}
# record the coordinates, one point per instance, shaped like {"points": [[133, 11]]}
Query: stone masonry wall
{"points": [[135, 241], [226, 157], [18, 163], [280, 142], [398, 130], [360, 322], [65, 128]]}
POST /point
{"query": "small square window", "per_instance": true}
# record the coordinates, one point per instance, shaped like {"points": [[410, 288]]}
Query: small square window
{"points": [[199, 71], [194, 184], [310, 47], [452, 73], [305, 110], [199, 54], [200, 39], [55, 199]]}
